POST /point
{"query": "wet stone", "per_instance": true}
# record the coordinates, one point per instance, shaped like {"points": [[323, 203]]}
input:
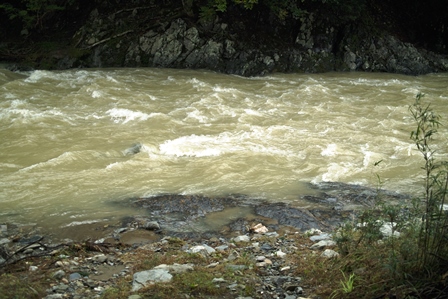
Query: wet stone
{"points": [[323, 244], [320, 237], [222, 247], [201, 249], [266, 247], [54, 296], [59, 274], [329, 253], [219, 280], [177, 214], [28, 251], [4, 253], [100, 258], [60, 288], [74, 276], [151, 225], [30, 240], [3, 228], [243, 238], [143, 278]]}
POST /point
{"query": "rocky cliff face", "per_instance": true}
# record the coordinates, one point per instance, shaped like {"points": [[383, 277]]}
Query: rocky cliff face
{"points": [[127, 39]]}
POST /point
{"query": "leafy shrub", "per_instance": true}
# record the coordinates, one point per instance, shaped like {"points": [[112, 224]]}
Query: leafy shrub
{"points": [[411, 260]]}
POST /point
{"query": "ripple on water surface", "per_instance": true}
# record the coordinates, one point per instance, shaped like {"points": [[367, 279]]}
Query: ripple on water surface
{"points": [[65, 136]]}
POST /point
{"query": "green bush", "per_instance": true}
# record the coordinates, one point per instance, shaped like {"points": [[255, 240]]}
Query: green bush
{"points": [[287, 9], [433, 235], [413, 258]]}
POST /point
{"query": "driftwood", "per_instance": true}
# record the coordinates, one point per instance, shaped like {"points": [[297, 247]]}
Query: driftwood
{"points": [[52, 250], [134, 8], [12, 258], [109, 38], [100, 247]]}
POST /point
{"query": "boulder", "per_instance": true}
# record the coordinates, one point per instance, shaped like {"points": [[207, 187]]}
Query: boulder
{"points": [[145, 278]]}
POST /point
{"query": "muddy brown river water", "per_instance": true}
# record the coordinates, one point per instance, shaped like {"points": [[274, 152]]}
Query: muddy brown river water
{"points": [[76, 144]]}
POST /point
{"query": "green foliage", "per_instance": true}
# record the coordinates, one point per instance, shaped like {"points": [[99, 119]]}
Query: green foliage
{"points": [[220, 5], [209, 11], [433, 248], [347, 285], [247, 4], [12, 286], [285, 9], [414, 254], [32, 13]]}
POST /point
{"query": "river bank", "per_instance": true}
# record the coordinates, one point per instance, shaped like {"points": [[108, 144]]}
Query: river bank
{"points": [[255, 265], [261, 255], [241, 42]]}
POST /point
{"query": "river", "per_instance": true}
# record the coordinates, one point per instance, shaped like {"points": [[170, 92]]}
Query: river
{"points": [[66, 152]]}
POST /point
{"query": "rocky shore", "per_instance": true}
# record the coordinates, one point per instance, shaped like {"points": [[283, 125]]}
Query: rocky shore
{"points": [[161, 255], [241, 42], [262, 260], [216, 45]]}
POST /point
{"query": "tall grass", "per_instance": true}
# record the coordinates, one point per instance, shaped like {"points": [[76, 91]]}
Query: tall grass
{"points": [[412, 260], [433, 236]]}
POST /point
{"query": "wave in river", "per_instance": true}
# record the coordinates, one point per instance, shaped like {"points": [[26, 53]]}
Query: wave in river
{"points": [[68, 136]]}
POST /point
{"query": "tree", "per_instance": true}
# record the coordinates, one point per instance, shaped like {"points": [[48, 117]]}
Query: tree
{"points": [[33, 13]]}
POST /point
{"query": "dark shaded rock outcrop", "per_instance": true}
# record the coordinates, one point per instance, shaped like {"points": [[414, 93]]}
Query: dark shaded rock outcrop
{"points": [[238, 42], [318, 46], [333, 204]]}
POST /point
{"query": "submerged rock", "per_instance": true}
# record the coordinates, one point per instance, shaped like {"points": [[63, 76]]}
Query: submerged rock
{"points": [[134, 149], [182, 215]]}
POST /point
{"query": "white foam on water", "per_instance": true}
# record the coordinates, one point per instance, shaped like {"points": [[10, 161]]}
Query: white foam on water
{"points": [[193, 145], [337, 172], [330, 150], [25, 115], [197, 83], [411, 90], [252, 112], [375, 82], [111, 79], [10, 95], [197, 115], [113, 165], [219, 89], [61, 159], [228, 142], [203, 133], [10, 165], [38, 75], [370, 157], [76, 223], [149, 149], [121, 115], [96, 94]]}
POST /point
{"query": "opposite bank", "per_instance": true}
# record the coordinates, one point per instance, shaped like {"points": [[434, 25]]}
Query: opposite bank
{"points": [[139, 37]]}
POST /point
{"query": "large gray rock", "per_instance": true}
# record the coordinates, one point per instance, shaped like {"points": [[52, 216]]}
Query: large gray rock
{"points": [[318, 46], [175, 268], [145, 278], [203, 249], [323, 243]]}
